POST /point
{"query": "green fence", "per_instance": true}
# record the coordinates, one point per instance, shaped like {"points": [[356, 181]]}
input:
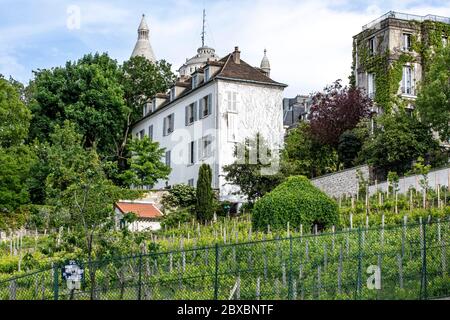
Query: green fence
{"points": [[401, 262]]}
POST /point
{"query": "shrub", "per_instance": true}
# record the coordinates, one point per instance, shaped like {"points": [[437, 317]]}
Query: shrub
{"points": [[295, 201], [173, 219], [179, 196]]}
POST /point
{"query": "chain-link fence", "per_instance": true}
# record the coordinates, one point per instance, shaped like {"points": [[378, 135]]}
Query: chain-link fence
{"points": [[401, 262]]}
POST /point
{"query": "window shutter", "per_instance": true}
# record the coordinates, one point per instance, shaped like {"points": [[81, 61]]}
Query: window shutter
{"points": [[210, 103], [201, 106], [186, 116], [165, 126], [150, 132], [189, 153], [193, 152], [234, 101], [195, 110], [199, 148], [172, 121]]}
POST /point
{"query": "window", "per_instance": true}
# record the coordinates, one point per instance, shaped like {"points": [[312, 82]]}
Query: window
{"points": [[150, 132], [206, 147], [172, 94], [406, 42], [191, 182], [371, 85], [205, 106], [191, 113], [194, 81], [168, 124], [231, 101], [168, 158], [141, 134], [207, 73], [232, 126], [407, 82], [372, 46], [146, 110], [191, 153]]}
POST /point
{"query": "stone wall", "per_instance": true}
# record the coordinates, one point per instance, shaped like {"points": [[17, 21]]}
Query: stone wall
{"points": [[341, 183]]}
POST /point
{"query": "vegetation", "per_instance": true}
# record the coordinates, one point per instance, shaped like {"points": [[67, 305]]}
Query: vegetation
{"points": [[204, 206], [295, 201]]}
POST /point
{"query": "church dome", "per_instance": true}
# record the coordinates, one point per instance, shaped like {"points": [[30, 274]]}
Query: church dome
{"points": [[204, 54], [143, 47], [265, 64]]}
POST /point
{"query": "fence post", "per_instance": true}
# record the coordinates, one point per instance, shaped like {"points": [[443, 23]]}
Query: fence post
{"points": [[140, 277], [55, 282], [290, 269], [359, 277], [424, 283], [216, 275]]}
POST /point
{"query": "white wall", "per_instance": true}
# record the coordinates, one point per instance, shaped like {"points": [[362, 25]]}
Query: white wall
{"points": [[178, 140], [259, 109]]}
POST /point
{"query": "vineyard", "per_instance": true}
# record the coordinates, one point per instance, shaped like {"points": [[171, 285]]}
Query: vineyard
{"points": [[399, 262]]}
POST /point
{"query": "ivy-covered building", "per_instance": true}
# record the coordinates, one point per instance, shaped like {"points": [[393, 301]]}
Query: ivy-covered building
{"points": [[391, 54]]}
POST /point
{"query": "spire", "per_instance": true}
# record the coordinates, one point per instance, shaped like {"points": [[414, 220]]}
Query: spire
{"points": [[265, 64], [143, 47], [203, 28]]}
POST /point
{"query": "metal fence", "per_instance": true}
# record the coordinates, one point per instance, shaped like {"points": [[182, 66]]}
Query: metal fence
{"points": [[401, 262]]}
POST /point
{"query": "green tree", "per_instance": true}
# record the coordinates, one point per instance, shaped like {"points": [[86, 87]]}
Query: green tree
{"points": [[303, 155], [14, 115], [399, 139], [348, 148], [251, 171], [179, 196], [433, 100], [205, 197], [146, 167]]}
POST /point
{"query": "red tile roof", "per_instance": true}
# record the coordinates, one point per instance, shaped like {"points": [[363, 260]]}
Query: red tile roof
{"points": [[143, 210]]}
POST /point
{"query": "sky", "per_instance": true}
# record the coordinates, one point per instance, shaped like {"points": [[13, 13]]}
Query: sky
{"points": [[308, 42]]}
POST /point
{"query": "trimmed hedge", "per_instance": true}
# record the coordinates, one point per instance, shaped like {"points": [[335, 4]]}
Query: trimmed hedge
{"points": [[295, 201]]}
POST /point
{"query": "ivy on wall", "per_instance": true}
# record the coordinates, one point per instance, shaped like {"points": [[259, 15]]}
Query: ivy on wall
{"points": [[387, 68]]}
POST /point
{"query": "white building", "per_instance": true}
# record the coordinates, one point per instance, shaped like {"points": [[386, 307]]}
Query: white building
{"points": [[203, 116], [148, 215]]}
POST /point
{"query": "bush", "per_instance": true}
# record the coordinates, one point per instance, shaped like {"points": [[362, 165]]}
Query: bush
{"points": [[173, 219], [179, 196], [295, 201]]}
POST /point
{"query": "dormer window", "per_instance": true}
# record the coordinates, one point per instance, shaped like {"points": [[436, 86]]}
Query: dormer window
{"points": [[207, 73], [154, 105], [172, 94], [194, 81]]}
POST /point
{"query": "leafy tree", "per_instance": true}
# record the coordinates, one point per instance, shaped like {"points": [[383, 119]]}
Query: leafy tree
{"points": [[304, 155], [180, 196], [399, 139], [348, 148], [141, 79], [433, 100], [204, 206], [14, 115], [146, 167], [89, 94], [337, 110], [15, 165], [248, 172]]}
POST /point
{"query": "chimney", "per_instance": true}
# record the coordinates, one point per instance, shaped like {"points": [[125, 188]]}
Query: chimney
{"points": [[237, 55]]}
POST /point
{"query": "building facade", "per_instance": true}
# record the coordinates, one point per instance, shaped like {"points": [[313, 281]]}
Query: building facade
{"points": [[389, 56], [296, 110], [203, 117]]}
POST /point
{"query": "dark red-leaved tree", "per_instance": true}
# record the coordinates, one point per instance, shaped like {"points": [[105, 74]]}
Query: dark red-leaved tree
{"points": [[337, 110]]}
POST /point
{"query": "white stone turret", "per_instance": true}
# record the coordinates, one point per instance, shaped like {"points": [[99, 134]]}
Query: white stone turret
{"points": [[143, 47], [265, 64]]}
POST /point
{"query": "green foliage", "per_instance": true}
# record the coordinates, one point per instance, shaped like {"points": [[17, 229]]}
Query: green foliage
{"points": [[255, 170], [176, 218], [303, 155], [14, 116], [89, 94], [433, 101], [295, 201], [348, 148], [179, 196], [204, 206], [398, 140], [146, 167]]}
